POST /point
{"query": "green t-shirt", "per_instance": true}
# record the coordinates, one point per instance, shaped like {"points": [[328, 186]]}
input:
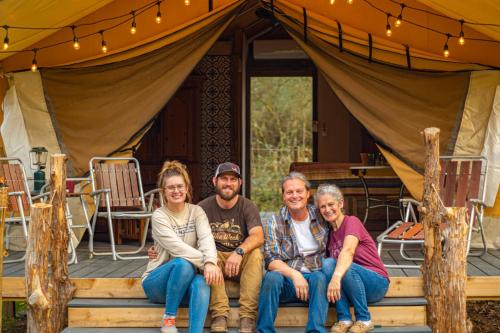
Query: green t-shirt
{"points": [[230, 226]]}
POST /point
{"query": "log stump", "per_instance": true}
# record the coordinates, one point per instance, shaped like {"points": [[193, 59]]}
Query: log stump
{"points": [[445, 259], [48, 292], [37, 264], [62, 289]]}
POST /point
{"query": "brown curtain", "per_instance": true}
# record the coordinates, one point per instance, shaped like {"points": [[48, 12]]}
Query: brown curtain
{"points": [[97, 110], [393, 103]]}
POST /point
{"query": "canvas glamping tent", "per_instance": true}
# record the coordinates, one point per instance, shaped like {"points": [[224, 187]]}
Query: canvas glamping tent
{"points": [[86, 103]]}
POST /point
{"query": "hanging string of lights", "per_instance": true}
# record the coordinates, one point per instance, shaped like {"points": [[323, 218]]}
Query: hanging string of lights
{"points": [[462, 21], [398, 20], [125, 18]]}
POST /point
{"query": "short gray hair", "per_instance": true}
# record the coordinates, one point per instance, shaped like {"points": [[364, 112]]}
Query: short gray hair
{"points": [[329, 189], [295, 175]]}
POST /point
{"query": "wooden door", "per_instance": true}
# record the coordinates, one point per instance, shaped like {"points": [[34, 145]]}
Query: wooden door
{"points": [[175, 135]]}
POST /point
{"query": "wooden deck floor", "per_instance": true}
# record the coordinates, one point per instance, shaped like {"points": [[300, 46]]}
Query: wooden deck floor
{"points": [[105, 267]]}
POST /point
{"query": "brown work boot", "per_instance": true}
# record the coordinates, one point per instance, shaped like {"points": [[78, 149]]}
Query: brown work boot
{"points": [[340, 327], [247, 325], [359, 327], [219, 325]]}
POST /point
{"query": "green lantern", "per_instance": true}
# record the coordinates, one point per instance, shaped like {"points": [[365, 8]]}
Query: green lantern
{"points": [[38, 159]]}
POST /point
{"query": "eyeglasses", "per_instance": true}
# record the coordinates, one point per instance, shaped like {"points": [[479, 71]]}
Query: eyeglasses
{"points": [[178, 187]]}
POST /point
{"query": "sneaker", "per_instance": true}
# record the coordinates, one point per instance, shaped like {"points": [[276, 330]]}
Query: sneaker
{"points": [[219, 325], [247, 325], [168, 325], [360, 327], [340, 327]]}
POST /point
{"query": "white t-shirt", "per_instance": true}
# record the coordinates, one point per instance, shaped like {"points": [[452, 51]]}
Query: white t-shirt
{"points": [[306, 242]]}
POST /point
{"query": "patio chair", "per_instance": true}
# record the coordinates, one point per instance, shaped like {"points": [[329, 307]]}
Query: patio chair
{"points": [[20, 200], [70, 193], [118, 195], [461, 184]]}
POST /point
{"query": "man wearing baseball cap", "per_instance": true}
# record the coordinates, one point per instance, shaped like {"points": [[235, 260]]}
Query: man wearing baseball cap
{"points": [[238, 234]]}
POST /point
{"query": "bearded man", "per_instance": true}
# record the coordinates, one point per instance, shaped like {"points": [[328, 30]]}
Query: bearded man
{"points": [[238, 234]]}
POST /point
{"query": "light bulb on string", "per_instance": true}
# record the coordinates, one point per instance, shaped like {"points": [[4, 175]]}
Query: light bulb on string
{"points": [[158, 13], [6, 38], [187, 2], [133, 26], [104, 45], [461, 39], [388, 30], [332, 2], [399, 19], [350, 1], [446, 51], [34, 64], [76, 43]]}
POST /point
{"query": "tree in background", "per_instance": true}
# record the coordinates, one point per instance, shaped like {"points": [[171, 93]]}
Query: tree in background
{"points": [[281, 133]]}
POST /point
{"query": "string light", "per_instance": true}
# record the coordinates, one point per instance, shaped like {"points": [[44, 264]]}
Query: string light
{"points": [[6, 39], [399, 19], [34, 65], [104, 45], [76, 43], [158, 13], [350, 1], [388, 30], [446, 51], [133, 27], [332, 2], [187, 2], [461, 39]]}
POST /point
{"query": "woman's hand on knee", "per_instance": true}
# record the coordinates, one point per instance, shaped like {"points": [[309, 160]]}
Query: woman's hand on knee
{"points": [[333, 292], [213, 274]]}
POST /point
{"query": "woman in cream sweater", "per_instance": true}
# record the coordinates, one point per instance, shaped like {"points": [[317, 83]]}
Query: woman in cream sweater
{"points": [[185, 246]]}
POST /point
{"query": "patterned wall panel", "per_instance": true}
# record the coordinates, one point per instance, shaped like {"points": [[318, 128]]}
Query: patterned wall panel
{"points": [[215, 116]]}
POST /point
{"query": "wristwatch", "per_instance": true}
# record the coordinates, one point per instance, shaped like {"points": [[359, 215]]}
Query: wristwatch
{"points": [[239, 251]]}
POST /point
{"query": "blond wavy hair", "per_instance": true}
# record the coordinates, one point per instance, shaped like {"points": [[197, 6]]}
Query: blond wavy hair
{"points": [[175, 168]]}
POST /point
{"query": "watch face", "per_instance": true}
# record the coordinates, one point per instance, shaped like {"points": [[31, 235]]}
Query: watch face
{"points": [[239, 251]]}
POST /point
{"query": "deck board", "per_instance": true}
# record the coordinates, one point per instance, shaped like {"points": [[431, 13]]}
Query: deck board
{"points": [[104, 266]]}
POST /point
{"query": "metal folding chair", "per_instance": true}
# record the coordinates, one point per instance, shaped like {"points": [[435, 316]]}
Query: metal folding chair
{"points": [[20, 199], [462, 181], [70, 193], [118, 195]]}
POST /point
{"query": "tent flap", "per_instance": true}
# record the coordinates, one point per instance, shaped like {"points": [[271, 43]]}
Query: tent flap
{"points": [[105, 105]]}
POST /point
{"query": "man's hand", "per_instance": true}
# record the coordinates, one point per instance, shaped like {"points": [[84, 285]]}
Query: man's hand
{"points": [[152, 254], [333, 291], [233, 264], [301, 286], [213, 274]]}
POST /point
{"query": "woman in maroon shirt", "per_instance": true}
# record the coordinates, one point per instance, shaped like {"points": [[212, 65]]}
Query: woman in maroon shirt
{"points": [[356, 273]]}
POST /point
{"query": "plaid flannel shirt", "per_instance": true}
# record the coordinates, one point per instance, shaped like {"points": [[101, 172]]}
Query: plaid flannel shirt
{"points": [[281, 242]]}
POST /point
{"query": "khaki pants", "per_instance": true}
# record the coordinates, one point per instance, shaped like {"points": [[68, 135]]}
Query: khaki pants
{"points": [[250, 279]]}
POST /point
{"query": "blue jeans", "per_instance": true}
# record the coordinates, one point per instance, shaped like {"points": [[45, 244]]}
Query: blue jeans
{"points": [[359, 286], [176, 283], [277, 288]]}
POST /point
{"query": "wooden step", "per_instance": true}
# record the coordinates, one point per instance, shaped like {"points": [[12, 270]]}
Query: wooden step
{"points": [[142, 313], [478, 287], [401, 329]]}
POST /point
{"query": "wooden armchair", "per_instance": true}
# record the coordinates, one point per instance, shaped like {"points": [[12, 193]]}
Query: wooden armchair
{"points": [[118, 195], [461, 184]]}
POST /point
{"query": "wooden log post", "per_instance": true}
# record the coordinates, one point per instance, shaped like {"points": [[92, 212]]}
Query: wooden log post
{"points": [[37, 263], [455, 252], [61, 287], [4, 200], [432, 269]]}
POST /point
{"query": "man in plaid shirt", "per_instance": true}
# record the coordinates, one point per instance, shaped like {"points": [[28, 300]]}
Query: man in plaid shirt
{"points": [[295, 245]]}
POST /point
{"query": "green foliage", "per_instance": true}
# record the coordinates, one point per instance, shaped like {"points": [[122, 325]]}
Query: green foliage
{"points": [[281, 132]]}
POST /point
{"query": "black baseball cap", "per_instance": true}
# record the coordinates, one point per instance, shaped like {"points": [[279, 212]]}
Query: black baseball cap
{"points": [[227, 167]]}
